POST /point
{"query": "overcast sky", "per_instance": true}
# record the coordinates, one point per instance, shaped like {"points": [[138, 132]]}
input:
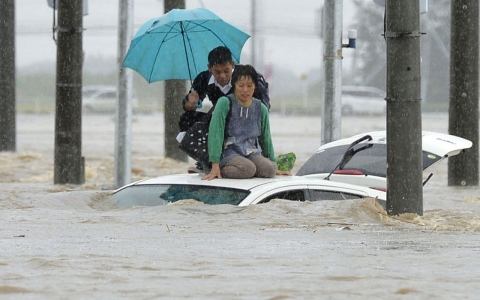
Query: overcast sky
{"points": [[286, 27]]}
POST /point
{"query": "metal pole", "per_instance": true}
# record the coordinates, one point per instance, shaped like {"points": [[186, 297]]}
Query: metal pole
{"points": [[404, 118], [253, 38], [69, 163], [332, 57], [7, 76], [174, 91], [463, 112], [123, 128]]}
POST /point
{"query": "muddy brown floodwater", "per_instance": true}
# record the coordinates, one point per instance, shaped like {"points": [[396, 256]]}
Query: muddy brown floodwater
{"points": [[70, 242]]}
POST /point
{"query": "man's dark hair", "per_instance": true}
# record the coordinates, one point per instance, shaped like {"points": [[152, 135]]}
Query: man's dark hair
{"points": [[244, 71], [219, 56]]}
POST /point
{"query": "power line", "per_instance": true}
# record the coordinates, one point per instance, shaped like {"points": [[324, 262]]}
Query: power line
{"points": [[264, 31]]}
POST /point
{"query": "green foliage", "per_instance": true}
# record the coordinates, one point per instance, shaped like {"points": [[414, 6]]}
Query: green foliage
{"points": [[285, 162]]}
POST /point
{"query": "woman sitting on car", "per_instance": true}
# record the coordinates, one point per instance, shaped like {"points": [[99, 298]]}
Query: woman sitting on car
{"points": [[239, 141]]}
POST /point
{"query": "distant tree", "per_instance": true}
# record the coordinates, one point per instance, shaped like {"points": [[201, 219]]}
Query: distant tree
{"points": [[436, 52], [371, 48], [370, 55]]}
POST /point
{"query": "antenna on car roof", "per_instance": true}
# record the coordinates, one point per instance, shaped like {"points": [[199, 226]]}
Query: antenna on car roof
{"points": [[349, 154]]}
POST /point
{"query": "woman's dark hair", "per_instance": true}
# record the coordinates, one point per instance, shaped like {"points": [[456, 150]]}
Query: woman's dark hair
{"points": [[219, 56], [244, 71]]}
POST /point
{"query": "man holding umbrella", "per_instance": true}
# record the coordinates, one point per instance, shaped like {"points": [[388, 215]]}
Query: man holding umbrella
{"points": [[215, 83], [183, 37]]}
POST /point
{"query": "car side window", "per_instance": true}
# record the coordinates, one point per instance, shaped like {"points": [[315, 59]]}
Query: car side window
{"points": [[294, 195], [366, 94], [87, 94], [332, 195], [108, 95]]}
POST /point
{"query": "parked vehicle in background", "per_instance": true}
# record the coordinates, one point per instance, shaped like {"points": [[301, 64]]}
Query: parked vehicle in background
{"points": [[101, 98], [363, 100]]}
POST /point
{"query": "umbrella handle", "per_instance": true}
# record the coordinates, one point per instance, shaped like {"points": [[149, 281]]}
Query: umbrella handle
{"points": [[199, 103]]}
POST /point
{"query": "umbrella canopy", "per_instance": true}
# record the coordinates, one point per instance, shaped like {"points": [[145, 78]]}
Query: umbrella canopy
{"points": [[176, 45]]}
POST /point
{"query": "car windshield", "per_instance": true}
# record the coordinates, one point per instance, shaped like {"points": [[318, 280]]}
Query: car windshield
{"points": [[89, 93], [370, 160], [161, 194]]}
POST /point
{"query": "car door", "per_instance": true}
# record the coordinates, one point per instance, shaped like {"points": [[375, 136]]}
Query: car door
{"points": [[318, 194], [298, 194]]}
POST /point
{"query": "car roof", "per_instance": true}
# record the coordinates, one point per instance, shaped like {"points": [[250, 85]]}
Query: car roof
{"points": [[353, 88], [258, 189], [245, 184], [439, 144], [100, 88]]}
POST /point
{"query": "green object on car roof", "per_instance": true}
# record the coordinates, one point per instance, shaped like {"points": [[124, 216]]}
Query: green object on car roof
{"points": [[286, 161]]}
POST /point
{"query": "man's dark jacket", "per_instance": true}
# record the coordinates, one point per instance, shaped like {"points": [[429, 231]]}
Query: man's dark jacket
{"points": [[201, 86]]}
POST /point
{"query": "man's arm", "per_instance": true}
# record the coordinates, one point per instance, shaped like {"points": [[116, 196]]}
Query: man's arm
{"points": [[198, 91]]}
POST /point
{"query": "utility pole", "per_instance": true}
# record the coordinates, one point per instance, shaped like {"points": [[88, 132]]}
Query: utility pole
{"points": [[463, 110], [404, 117], [174, 91], [7, 76], [69, 163], [253, 38], [332, 57], [123, 124]]}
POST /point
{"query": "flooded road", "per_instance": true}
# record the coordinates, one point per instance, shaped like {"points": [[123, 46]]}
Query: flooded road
{"points": [[69, 242]]}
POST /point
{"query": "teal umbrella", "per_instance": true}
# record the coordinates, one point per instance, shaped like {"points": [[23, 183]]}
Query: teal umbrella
{"points": [[176, 45]]}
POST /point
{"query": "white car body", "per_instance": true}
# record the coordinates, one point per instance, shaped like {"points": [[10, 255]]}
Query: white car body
{"points": [[151, 192], [363, 100], [370, 170], [101, 98]]}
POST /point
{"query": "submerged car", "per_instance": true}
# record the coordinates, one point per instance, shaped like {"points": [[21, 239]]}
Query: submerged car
{"points": [[242, 192], [362, 159]]}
